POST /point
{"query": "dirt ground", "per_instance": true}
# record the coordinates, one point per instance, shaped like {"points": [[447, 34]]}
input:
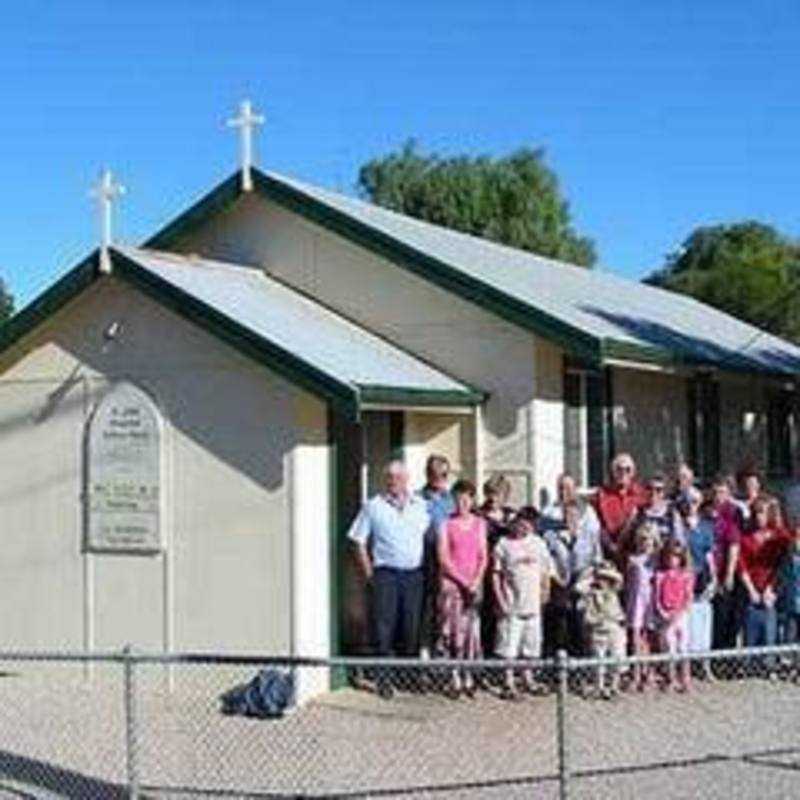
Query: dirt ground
{"points": [[63, 736]]}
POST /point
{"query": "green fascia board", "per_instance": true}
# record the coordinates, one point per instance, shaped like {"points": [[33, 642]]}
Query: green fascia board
{"points": [[294, 369], [50, 301], [420, 398], [631, 351]]}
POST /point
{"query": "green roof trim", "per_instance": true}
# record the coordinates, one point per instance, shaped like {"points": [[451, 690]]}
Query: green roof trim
{"points": [[419, 398], [50, 301], [616, 349], [631, 351]]}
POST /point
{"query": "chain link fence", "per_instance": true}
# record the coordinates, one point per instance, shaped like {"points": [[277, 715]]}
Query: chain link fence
{"points": [[135, 725], [722, 724]]}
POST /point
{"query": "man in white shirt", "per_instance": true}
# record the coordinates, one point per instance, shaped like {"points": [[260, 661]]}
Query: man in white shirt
{"points": [[389, 539]]}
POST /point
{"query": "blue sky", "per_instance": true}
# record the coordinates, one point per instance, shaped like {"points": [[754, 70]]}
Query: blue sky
{"points": [[656, 116]]}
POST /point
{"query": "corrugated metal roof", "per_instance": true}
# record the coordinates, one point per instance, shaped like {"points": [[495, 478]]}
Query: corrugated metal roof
{"points": [[621, 313], [298, 325]]}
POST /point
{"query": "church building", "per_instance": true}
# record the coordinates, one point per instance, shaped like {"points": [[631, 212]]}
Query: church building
{"points": [[188, 426]]}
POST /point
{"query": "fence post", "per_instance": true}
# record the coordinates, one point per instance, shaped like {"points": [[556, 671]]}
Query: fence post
{"points": [[131, 724], [562, 664]]}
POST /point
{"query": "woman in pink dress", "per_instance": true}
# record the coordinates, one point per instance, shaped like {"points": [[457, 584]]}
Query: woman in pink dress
{"points": [[462, 561]]}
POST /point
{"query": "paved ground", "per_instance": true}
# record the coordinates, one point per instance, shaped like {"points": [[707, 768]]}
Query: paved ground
{"points": [[63, 737]]}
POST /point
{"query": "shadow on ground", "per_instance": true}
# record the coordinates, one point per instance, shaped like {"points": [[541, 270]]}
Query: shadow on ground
{"points": [[32, 775]]}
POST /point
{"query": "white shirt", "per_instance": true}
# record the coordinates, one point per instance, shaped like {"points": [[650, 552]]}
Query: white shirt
{"points": [[397, 532]]}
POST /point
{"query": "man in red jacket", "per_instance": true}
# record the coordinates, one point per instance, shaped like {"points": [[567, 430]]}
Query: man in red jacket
{"points": [[618, 503]]}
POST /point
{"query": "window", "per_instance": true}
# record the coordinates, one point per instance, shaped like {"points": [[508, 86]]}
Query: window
{"points": [[780, 425], [588, 434], [599, 424], [704, 426]]}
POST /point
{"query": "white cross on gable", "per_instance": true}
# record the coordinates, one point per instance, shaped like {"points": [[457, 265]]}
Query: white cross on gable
{"points": [[247, 121], [105, 192]]}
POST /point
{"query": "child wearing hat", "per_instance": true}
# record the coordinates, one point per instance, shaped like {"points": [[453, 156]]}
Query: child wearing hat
{"points": [[599, 587]]}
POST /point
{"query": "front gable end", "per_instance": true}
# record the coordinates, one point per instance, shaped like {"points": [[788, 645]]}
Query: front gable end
{"points": [[283, 230]]}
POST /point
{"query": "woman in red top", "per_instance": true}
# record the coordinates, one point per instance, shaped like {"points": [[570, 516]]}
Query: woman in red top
{"points": [[761, 553]]}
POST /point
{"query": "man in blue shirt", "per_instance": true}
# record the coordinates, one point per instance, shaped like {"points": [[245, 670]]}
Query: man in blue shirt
{"points": [[389, 539], [441, 504]]}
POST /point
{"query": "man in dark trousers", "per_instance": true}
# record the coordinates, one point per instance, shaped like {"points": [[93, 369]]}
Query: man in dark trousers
{"points": [[389, 539]]}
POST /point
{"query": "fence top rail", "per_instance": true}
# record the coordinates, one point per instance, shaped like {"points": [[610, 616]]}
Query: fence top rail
{"points": [[709, 656], [129, 655]]}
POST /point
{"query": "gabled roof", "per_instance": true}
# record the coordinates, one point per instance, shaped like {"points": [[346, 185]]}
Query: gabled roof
{"points": [[289, 333], [593, 314]]}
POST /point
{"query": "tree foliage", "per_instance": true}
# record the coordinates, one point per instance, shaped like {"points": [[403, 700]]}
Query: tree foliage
{"points": [[514, 200], [747, 269], [6, 302]]}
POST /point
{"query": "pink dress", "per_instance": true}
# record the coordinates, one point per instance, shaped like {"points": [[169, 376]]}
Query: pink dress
{"points": [[674, 593], [459, 615]]}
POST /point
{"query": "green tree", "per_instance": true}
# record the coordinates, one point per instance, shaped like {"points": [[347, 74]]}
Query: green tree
{"points": [[6, 302], [747, 269], [515, 200]]}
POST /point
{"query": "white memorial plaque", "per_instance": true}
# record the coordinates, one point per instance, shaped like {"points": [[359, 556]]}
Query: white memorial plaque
{"points": [[124, 474]]}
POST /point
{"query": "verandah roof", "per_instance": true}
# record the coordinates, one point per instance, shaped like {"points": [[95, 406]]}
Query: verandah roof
{"points": [[286, 331]]}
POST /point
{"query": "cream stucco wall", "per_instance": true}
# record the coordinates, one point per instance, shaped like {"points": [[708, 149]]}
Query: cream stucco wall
{"points": [[523, 419], [449, 435], [235, 435]]}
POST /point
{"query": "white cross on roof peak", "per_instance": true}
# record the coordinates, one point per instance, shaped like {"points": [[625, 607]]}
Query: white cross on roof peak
{"points": [[105, 192], [247, 121]]}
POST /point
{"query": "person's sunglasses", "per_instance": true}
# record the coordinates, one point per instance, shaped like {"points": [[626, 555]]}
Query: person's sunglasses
{"points": [[620, 468], [657, 488]]}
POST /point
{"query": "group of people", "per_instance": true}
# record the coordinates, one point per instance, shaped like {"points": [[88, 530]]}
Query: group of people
{"points": [[658, 566]]}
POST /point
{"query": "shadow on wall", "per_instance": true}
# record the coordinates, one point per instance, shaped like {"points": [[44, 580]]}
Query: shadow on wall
{"points": [[230, 407], [697, 348]]}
